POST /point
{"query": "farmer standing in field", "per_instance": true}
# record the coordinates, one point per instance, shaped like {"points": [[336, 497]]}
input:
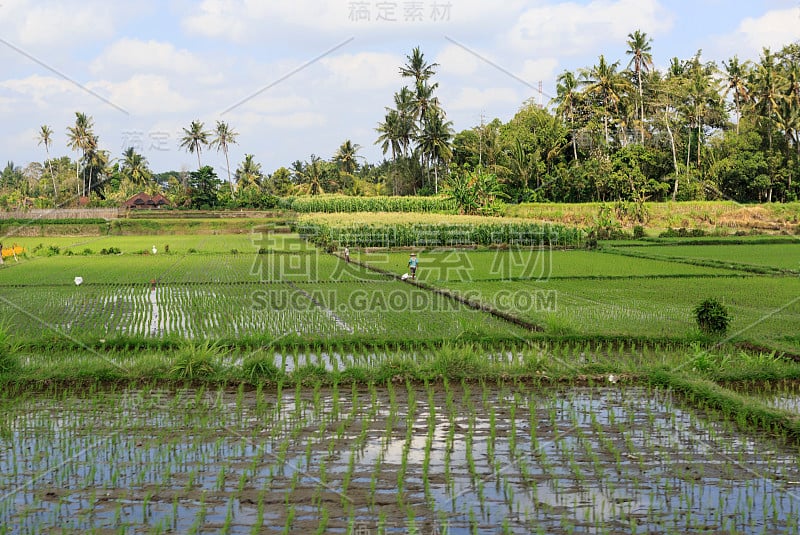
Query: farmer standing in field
{"points": [[412, 265], [346, 254]]}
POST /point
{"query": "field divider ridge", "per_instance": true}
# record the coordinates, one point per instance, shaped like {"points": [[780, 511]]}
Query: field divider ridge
{"points": [[444, 292]]}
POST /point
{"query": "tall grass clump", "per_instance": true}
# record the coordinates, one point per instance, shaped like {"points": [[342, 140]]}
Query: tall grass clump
{"points": [[261, 367], [196, 360], [9, 360], [712, 317]]}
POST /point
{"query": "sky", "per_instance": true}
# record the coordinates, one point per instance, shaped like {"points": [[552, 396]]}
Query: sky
{"points": [[300, 77]]}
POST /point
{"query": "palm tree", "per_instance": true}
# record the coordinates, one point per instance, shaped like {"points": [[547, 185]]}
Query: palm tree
{"points": [[224, 136], [642, 60], [194, 139], [249, 172], [567, 97], [736, 77], [80, 138], [134, 167], [434, 141], [345, 157], [389, 134], [96, 162], [417, 68], [604, 82], [46, 138], [311, 176]]}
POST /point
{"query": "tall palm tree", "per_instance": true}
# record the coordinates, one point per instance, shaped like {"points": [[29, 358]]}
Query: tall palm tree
{"points": [[45, 138], [386, 134], [311, 176], [134, 167], [567, 97], [417, 68], [80, 137], [96, 163], [224, 135], [434, 142], [736, 74], [249, 172], [195, 138], [641, 59], [605, 83], [345, 156]]}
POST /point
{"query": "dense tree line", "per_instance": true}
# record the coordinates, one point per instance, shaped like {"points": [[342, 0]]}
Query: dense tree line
{"points": [[696, 130]]}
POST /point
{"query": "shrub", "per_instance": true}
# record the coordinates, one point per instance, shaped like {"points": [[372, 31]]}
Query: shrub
{"points": [[712, 317], [196, 360], [638, 232], [260, 368]]}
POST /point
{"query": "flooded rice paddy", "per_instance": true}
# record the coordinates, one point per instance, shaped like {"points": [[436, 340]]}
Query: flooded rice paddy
{"points": [[444, 458]]}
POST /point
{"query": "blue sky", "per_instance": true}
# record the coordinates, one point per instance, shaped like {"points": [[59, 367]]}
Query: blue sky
{"points": [[145, 70]]}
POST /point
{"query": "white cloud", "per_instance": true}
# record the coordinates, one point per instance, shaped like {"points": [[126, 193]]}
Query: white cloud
{"points": [[144, 94], [773, 30], [456, 61], [48, 24], [364, 71], [244, 20], [296, 121], [471, 98], [41, 90], [569, 28], [133, 55]]}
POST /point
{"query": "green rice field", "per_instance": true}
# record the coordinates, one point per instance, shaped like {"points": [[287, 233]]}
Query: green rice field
{"points": [[256, 383]]}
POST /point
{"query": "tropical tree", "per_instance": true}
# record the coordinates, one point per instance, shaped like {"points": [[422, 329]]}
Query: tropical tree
{"points": [[80, 138], [345, 157], [224, 136], [249, 172], [194, 139], [736, 75], [642, 61], [567, 98], [311, 176], [134, 167], [604, 83], [45, 138], [434, 142]]}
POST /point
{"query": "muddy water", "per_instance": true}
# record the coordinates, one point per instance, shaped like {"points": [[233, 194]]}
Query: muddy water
{"points": [[461, 459]]}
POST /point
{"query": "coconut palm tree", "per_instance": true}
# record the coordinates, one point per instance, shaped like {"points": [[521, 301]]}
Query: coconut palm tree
{"points": [[224, 135], [80, 137], [567, 97], [45, 138], [736, 74], [605, 83], [434, 142], [641, 59], [249, 172], [311, 176], [417, 68], [134, 167], [195, 138], [388, 131], [345, 157]]}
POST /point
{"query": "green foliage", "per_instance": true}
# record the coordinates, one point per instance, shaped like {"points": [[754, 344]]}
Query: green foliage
{"points": [[344, 203], [9, 347], [196, 360], [204, 188], [475, 192], [110, 250], [712, 317], [261, 367], [442, 234]]}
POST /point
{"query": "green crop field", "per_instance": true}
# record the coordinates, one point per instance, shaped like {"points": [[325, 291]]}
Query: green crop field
{"points": [[250, 383], [537, 264], [780, 256]]}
